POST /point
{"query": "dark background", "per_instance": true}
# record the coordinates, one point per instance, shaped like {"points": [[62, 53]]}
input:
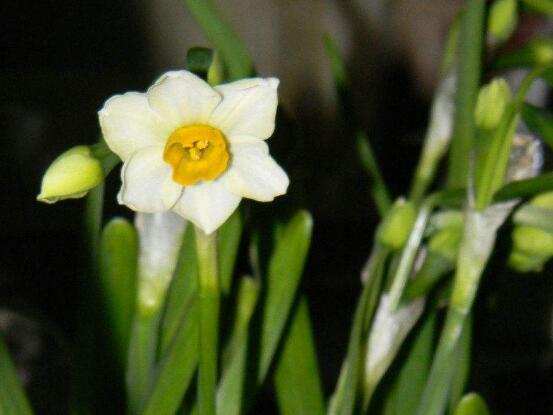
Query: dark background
{"points": [[59, 62]]}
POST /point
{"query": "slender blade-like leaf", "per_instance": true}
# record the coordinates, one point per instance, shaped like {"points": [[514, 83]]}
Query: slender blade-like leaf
{"points": [[222, 37], [183, 287], [228, 243], [540, 121], [297, 382], [469, 67], [407, 389], [118, 260], [173, 374], [462, 369], [525, 188], [284, 274], [279, 291], [230, 393]]}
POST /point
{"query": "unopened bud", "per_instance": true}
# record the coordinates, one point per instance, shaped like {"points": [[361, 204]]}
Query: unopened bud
{"points": [[492, 101], [522, 262], [396, 227], [533, 241], [446, 243], [71, 175], [543, 200], [215, 73], [502, 20], [542, 51]]}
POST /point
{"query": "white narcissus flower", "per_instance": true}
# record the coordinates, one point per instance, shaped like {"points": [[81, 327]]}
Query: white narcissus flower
{"points": [[195, 149]]}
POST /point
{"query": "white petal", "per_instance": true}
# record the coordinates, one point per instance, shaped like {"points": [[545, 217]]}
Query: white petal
{"points": [[129, 124], [207, 204], [248, 108], [147, 183], [254, 174], [183, 98]]}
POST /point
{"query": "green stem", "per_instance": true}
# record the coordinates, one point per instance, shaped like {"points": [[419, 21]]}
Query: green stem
{"points": [[462, 365], [84, 372], [408, 255], [93, 223], [497, 157], [345, 398], [479, 235], [435, 394], [470, 51], [206, 246]]}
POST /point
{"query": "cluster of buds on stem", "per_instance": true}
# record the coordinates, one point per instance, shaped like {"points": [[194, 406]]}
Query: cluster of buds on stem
{"points": [[533, 235]]}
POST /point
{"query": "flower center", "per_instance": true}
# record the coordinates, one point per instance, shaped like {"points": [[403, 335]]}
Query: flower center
{"points": [[198, 152]]}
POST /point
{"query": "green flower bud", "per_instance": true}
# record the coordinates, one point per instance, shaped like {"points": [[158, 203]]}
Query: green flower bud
{"points": [[543, 200], [491, 103], [71, 175], [542, 51], [396, 227], [522, 262], [502, 20], [215, 73], [533, 241], [446, 243]]}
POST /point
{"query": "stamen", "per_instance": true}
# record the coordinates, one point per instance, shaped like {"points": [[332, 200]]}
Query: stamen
{"points": [[186, 151]]}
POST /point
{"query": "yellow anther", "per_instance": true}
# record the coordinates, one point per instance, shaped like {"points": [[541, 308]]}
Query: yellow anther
{"points": [[195, 153]]}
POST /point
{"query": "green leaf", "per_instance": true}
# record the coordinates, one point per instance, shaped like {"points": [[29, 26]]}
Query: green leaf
{"points": [[408, 255], [12, 396], [346, 395], [118, 262], [540, 121], [84, 373], [284, 274], [222, 37], [434, 268], [407, 389], [183, 288], [297, 382], [336, 60], [469, 67], [231, 387], [365, 152], [462, 369], [172, 376], [540, 6], [525, 188], [472, 404], [141, 358], [228, 243], [380, 193], [246, 300]]}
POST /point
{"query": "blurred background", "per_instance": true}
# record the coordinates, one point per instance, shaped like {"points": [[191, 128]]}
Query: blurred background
{"points": [[61, 60]]}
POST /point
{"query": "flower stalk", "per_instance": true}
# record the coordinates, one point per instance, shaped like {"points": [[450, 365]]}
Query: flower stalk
{"points": [[209, 295]]}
